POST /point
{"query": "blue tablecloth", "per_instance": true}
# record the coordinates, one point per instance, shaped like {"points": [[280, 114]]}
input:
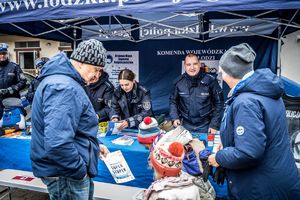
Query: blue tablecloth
{"points": [[15, 154]]}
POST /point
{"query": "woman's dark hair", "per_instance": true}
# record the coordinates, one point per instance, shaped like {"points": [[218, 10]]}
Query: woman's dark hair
{"points": [[126, 74]]}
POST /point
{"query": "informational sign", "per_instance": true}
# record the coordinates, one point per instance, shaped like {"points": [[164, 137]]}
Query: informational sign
{"points": [[118, 60], [118, 167]]}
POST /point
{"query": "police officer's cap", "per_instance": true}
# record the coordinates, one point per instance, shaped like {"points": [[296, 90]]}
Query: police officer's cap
{"points": [[39, 63], [3, 47]]}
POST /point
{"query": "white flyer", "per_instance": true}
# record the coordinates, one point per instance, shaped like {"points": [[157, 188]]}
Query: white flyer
{"points": [[118, 167], [124, 140]]}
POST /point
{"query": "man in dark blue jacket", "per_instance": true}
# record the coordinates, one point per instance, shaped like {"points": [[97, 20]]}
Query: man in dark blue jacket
{"points": [[100, 94], [64, 145], [256, 152], [197, 99], [12, 79]]}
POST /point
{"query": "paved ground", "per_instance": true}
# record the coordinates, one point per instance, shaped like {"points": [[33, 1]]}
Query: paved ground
{"points": [[19, 194]]}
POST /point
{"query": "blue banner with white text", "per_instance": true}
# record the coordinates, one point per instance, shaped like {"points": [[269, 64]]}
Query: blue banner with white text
{"points": [[12, 11]]}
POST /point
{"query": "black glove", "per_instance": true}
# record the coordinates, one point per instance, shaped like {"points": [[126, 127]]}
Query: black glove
{"points": [[207, 170], [3, 92], [219, 175]]}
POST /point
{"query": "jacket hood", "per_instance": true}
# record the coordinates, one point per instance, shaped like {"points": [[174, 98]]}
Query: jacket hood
{"points": [[60, 64], [263, 82], [104, 77]]}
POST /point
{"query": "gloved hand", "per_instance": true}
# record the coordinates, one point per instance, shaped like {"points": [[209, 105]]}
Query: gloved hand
{"points": [[207, 170], [3, 92], [219, 175]]}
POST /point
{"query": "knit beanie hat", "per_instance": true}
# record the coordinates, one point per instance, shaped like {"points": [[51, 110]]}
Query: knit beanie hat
{"points": [[3, 47], [90, 52], [167, 158], [148, 130], [238, 60]]}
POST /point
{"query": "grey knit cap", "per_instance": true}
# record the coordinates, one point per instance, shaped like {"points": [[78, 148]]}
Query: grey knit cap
{"points": [[90, 52], [238, 60]]}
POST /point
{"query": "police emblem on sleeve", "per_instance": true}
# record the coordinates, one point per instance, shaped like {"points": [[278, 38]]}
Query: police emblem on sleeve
{"points": [[147, 105], [240, 130]]}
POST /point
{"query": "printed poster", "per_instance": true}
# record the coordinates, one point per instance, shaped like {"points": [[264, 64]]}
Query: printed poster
{"points": [[118, 60], [118, 167]]}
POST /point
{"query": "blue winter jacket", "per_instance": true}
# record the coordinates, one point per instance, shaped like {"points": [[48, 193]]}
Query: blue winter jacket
{"points": [[64, 124], [254, 133]]}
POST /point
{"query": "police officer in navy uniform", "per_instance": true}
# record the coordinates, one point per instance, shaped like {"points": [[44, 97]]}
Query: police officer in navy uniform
{"points": [[131, 102], [100, 94], [197, 99], [12, 79]]}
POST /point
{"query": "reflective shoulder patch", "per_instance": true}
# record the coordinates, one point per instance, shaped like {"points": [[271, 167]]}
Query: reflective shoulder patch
{"points": [[22, 76], [240, 130], [108, 84], [143, 89], [147, 105]]}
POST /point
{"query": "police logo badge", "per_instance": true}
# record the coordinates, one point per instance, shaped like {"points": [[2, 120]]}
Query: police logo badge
{"points": [[147, 105], [240, 130]]}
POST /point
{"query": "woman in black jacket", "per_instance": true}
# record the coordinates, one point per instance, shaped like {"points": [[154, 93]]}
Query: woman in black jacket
{"points": [[130, 102]]}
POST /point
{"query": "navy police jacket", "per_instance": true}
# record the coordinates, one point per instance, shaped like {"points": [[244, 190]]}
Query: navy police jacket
{"points": [[32, 88], [133, 110], [197, 101], [64, 124], [254, 134], [100, 94], [11, 78]]}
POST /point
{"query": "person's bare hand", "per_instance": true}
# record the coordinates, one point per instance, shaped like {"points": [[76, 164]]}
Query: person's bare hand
{"points": [[103, 151], [176, 123], [124, 124], [212, 131], [212, 160], [220, 146]]}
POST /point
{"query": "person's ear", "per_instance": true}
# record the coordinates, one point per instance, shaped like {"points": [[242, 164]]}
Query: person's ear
{"points": [[80, 65]]}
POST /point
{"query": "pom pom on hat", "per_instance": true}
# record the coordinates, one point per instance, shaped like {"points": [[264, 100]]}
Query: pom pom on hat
{"points": [[147, 120], [167, 158], [148, 130], [176, 149]]}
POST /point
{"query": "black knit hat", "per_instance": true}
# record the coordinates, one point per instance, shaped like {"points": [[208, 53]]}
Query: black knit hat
{"points": [[90, 52]]}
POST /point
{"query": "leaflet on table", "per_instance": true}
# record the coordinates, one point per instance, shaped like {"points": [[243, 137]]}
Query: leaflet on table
{"points": [[112, 128], [118, 167], [124, 140]]}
